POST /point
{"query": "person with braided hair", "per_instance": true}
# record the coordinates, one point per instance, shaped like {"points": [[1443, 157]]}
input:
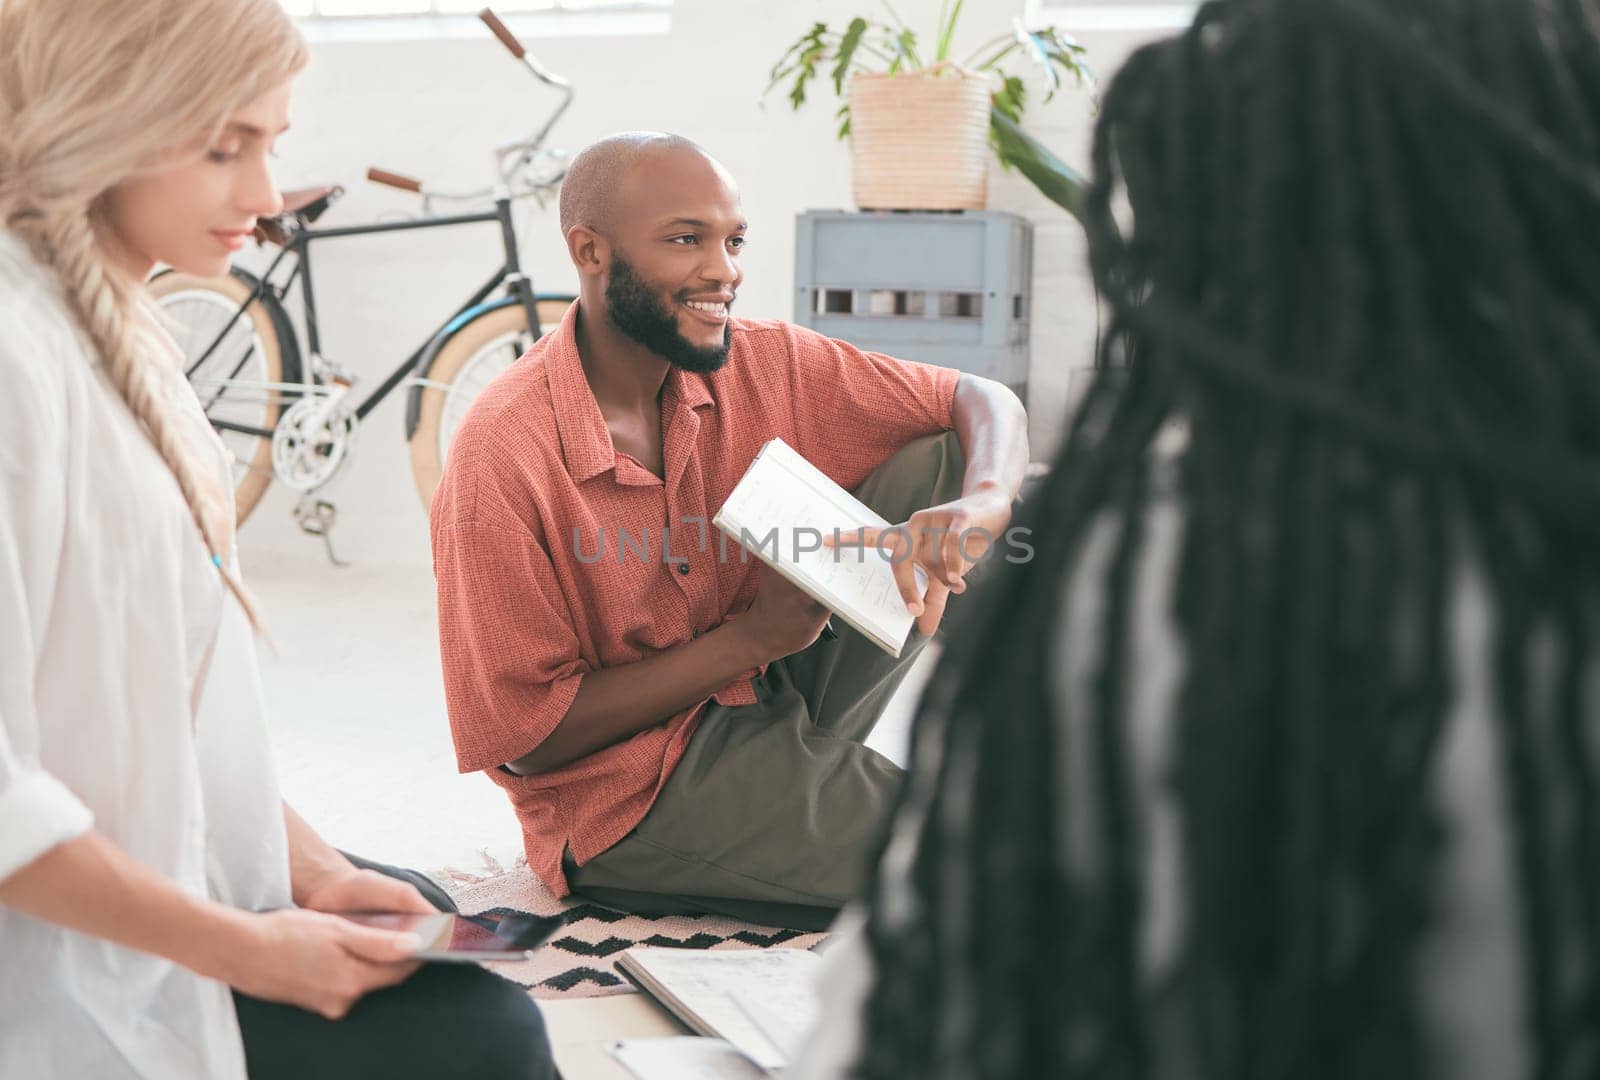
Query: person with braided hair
{"points": [[1280, 758], [163, 912]]}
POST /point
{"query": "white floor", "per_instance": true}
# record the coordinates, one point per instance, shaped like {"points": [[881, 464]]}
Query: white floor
{"points": [[357, 707]]}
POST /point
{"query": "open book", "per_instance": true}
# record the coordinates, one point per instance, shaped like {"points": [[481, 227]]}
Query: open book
{"points": [[780, 510], [721, 994]]}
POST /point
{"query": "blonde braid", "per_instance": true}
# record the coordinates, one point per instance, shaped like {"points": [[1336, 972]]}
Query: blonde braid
{"points": [[94, 93], [107, 308]]}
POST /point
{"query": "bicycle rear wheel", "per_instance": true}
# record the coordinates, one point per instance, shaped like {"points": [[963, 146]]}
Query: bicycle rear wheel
{"points": [[241, 383], [464, 365]]}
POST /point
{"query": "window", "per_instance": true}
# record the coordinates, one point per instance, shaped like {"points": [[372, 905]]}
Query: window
{"points": [[346, 8]]}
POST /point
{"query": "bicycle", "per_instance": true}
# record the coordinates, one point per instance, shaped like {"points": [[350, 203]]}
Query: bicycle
{"points": [[282, 421]]}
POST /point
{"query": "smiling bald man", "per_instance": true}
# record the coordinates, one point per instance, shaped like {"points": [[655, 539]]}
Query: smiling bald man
{"points": [[673, 730]]}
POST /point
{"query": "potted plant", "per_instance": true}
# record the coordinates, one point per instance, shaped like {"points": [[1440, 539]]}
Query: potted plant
{"points": [[921, 124]]}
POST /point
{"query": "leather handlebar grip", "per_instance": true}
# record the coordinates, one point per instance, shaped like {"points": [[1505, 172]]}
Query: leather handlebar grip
{"points": [[501, 31], [395, 180]]}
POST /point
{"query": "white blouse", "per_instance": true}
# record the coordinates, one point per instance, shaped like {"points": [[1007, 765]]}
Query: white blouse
{"points": [[130, 703]]}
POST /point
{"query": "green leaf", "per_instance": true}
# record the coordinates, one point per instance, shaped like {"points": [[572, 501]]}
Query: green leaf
{"points": [[815, 48], [947, 30], [905, 50], [1009, 99], [1038, 50], [1053, 48], [807, 72], [846, 52], [783, 67], [993, 62], [1055, 179]]}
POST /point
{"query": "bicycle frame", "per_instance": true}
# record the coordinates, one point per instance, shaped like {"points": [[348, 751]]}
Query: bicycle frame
{"points": [[509, 275]]}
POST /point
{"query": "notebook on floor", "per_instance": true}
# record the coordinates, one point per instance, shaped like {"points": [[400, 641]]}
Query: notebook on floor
{"points": [[760, 1001], [778, 512]]}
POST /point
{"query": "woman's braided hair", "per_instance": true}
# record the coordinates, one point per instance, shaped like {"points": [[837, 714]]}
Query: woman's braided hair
{"points": [[1355, 248], [93, 92]]}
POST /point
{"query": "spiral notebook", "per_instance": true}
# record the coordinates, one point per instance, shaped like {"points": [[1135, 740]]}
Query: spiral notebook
{"points": [[780, 510]]}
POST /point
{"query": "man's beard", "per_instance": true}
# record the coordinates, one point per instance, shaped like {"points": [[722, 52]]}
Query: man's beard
{"points": [[637, 311]]}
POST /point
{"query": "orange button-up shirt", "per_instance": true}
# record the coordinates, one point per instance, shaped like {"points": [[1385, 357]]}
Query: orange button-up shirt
{"points": [[538, 584]]}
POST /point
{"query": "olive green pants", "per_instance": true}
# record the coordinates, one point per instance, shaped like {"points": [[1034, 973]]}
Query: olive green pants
{"points": [[774, 811]]}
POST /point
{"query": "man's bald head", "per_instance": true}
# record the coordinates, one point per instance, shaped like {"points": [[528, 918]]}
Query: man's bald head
{"points": [[655, 230], [596, 175]]}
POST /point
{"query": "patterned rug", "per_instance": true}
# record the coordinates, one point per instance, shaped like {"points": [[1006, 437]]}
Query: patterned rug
{"points": [[580, 961]]}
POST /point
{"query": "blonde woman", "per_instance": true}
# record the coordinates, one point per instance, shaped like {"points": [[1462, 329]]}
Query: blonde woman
{"points": [[147, 862]]}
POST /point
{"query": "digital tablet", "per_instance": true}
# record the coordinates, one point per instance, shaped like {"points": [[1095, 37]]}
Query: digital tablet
{"points": [[468, 938]]}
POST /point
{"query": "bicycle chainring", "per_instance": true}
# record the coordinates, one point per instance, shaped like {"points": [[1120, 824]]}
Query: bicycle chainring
{"points": [[305, 453]]}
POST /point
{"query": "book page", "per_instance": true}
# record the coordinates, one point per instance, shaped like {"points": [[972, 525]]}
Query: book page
{"points": [[784, 1024], [785, 496], [685, 1057], [711, 984]]}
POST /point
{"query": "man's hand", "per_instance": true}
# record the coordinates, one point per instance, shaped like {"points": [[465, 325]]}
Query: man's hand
{"points": [[782, 619], [366, 890], [945, 540]]}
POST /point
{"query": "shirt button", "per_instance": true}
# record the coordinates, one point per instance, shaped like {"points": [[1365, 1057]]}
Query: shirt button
{"points": [[683, 568]]}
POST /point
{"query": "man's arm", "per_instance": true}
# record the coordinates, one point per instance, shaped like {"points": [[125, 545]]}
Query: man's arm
{"points": [[520, 693], [946, 540], [614, 703], [993, 428]]}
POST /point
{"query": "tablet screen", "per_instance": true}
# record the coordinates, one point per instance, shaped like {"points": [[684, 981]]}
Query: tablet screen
{"points": [[480, 937]]}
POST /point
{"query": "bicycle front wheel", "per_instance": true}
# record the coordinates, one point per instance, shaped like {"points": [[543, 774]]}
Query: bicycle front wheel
{"points": [[238, 371], [467, 363]]}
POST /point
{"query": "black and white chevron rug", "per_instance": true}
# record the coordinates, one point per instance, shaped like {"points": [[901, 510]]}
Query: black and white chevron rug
{"points": [[580, 961]]}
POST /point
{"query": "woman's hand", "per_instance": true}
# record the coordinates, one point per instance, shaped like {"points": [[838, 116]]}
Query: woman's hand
{"points": [[318, 962], [366, 890], [324, 880]]}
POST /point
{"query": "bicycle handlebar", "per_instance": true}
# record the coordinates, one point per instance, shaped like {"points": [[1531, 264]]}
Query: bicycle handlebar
{"points": [[512, 156], [501, 31], [509, 40], [394, 180]]}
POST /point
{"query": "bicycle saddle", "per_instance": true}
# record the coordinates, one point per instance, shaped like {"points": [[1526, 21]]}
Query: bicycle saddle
{"points": [[304, 204], [310, 202]]}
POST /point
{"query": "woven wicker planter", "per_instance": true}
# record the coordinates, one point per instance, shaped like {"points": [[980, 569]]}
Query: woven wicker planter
{"points": [[920, 141]]}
